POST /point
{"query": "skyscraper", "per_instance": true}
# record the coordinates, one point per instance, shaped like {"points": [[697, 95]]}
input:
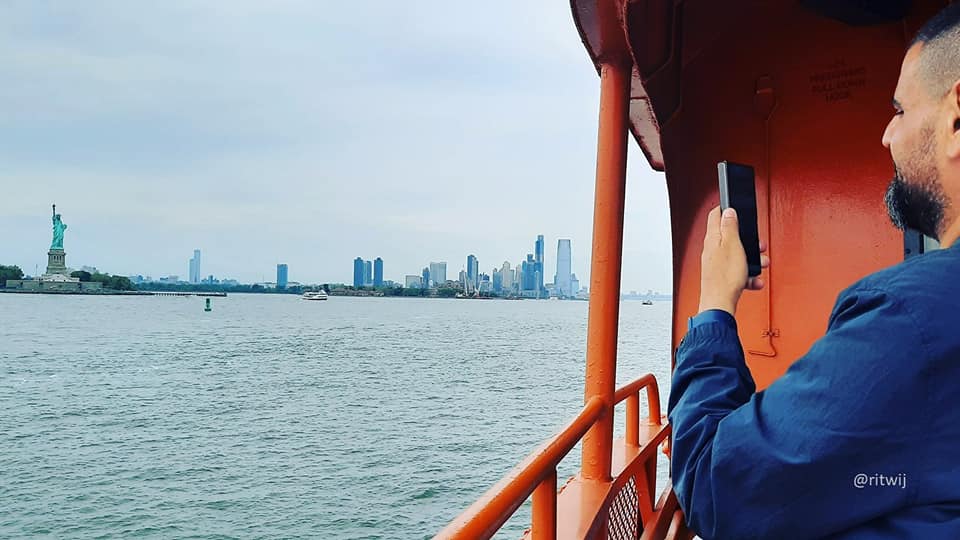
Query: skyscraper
{"points": [[378, 272], [438, 274], [497, 281], [540, 261], [367, 273], [473, 269], [529, 280], [506, 274], [358, 272], [195, 267], [281, 276], [562, 280], [465, 282], [425, 277]]}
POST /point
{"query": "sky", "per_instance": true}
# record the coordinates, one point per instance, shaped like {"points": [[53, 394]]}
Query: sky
{"points": [[307, 133]]}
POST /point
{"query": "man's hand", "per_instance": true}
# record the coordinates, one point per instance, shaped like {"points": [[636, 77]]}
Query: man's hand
{"points": [[723, 264]]}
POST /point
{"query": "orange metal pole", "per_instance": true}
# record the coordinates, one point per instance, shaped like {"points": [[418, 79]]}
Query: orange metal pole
{"points": [[633, 420], [604, 310], [543, 525]]}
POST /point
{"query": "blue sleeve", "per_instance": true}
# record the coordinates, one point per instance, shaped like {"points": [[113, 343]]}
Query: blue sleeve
{"points": [[782, 463]]}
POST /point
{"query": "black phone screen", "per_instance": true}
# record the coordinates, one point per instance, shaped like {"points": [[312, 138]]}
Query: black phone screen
{"points": [[737, 190]]}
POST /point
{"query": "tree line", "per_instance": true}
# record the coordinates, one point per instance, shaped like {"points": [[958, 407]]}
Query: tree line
{"points": [[117, 283]]}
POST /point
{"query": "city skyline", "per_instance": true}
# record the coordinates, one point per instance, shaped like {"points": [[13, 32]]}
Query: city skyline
{"points": [[528, 275], [255, 160]]}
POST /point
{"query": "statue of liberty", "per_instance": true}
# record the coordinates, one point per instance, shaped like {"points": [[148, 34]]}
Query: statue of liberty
{"points": [[58, 228]]}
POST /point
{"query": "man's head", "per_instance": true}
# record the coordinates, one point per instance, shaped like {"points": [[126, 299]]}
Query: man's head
{"points": [[924, 135]]}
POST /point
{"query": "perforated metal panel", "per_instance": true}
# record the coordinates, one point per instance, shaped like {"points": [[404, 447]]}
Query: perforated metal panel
{"points": [[622, 523]]}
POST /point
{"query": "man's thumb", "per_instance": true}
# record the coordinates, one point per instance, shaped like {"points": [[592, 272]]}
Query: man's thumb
{"points": [[729, 226]]}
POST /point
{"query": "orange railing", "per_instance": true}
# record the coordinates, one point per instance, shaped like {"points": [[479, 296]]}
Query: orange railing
{"points": [[537, 476], [631, 393], [534, 473]]}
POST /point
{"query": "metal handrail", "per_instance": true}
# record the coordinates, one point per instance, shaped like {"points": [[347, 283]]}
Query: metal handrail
{"points": [[631, 393], [494, 508], [537, 474]]}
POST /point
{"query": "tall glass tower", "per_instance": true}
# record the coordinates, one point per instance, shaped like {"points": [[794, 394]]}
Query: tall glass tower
{"points": [[358, 272], [562, 280], [473, 270], [195, 267], [378, 272], [540, 261]]}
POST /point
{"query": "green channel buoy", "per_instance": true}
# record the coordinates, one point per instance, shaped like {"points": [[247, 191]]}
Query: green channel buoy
{"points": [[208, 308]]}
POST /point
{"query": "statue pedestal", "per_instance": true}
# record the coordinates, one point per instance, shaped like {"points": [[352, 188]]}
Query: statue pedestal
{"points": [[56, 262]]}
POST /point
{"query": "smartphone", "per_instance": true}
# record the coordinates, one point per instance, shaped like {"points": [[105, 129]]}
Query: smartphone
{"points": [[737, 190]]}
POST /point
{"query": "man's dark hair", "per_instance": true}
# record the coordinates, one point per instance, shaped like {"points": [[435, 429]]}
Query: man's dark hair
{"points": [[940, 55]]}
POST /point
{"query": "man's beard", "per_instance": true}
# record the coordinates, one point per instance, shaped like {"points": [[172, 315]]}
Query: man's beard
{"points": [[917, 202]]}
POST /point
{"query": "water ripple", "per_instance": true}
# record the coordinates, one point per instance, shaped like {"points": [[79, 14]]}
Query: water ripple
{"points": [[276, 418]]}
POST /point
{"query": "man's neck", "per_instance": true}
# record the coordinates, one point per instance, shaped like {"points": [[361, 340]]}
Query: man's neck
{"points": [[951, 234]]}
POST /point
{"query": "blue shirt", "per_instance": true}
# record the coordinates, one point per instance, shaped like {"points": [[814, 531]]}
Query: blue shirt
{"points": [[859, 439]]}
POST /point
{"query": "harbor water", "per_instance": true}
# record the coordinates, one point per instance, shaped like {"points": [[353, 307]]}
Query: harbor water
{"points": [[274, 417]]}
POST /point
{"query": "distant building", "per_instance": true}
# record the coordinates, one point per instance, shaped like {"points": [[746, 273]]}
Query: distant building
{"points": [[425, 277], [466, 283], [358, 272], [473, 269], [282, 276], [574, 285], [438, 274], [89, 269], [367, 273], [413, 282], [529, 271], [561, 281], [506, 277], [497, 281], [195, 267], [378, 272], [540, 261]]}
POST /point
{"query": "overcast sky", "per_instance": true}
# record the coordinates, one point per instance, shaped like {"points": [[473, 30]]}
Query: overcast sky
{"points": [[306, 132]]}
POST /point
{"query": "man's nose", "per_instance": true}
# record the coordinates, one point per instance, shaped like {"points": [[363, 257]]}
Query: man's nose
{"points": [[887, 134]]}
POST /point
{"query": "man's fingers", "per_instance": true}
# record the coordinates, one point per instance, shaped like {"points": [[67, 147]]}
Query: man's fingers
{"points": [[763, 246], [713, 224], [764, 261], [729, 226], [755, 283]]}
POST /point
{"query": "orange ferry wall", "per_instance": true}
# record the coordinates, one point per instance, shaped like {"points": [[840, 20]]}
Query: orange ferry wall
{"points": [[821, 170]]}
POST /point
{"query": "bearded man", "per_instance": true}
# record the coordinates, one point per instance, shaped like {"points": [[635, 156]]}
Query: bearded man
{"points": [[860, 438]]}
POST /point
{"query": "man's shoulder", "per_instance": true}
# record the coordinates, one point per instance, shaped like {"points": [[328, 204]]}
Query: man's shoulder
{"points": [[923, 281]]}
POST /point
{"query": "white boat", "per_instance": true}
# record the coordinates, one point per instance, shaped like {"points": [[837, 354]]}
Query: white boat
{"points": [[315, 295]]}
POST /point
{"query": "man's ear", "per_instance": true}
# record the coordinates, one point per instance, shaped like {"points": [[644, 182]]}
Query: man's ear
{"points": [[953, 107]]}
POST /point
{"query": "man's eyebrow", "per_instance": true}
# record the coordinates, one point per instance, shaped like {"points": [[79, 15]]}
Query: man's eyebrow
{"points": [[896, 105]]}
